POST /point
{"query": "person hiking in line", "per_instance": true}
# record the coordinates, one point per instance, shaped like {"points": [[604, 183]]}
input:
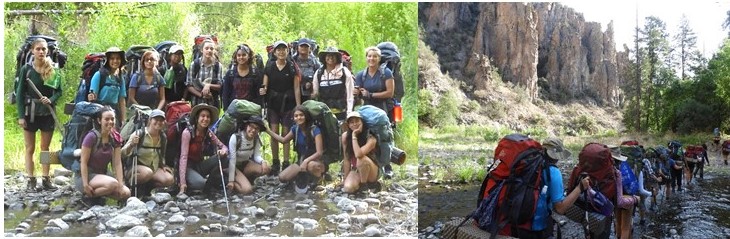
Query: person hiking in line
{"points": [[112, 93], [334, 83], [151, 169], [100, 147], [147, 87], [282, 93], [243, 80], [625, 202], [308, 64], [376, 85], [308, 144], [725, 150], [245, 162], [676, 166], [200, 149], [33, 114], [175, 76], [359, 146], [205, 76], [704, 158], [663, 172]]}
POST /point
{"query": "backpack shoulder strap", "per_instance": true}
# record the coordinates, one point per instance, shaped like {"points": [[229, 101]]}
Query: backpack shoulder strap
{"points": [[196, 67]]}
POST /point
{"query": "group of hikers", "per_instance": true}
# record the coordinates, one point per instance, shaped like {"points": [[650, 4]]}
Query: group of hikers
{"points": [[177, 144], [607, 185]]}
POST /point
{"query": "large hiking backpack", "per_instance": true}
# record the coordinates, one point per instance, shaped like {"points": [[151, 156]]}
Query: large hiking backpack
{"points": [[134, 60], [93, 62], [163, 48], [237, 112], [390, 58], [346, 59], [177, 117], [693, 153], [25, 56], [137, 117], [198, 46], [726, 146], [509, 193], [327, 123], [595, 159], [80, 123], [379, 124]]}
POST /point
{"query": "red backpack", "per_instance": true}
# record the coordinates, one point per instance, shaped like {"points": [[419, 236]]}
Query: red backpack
{"points": [[510, 192], [176, 117], [726, 146], [595, 159], [630, 143]]}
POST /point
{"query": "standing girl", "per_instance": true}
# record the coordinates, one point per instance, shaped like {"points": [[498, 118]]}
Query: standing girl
{"points": [[110, 90], [307, 143], [148, 86], [205, 78], [243, 80]]}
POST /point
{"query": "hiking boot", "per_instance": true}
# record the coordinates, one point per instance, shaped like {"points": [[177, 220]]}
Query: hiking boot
{"points": [[388, 171], [275, 167], [285, 164], [301, 183], [32, 184], [375, 187], [47, 184]]}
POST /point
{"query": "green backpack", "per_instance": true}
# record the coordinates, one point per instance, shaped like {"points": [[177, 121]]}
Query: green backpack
{"points": [[330, 130], [137, 117], [238, 111]]}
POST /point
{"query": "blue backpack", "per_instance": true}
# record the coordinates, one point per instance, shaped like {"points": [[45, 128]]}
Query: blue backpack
{"points": [[628, 179], [379, 124], [81, 122]]}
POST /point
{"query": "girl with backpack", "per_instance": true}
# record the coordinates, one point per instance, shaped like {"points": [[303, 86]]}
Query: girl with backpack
{"points": [[376, 86], [147, 87], [100, 147], [308, 144], [281, 94], [245, 162], [625, 202], [147, 147], [243, 80], [110, 91], [176, 75], [334, 83], [200, 149], [205, 77], [33, 114], [359, 147]]}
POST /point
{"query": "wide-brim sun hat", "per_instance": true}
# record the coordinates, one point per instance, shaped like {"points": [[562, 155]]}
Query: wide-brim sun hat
{"points": [[330, 50], [555, 149], [616, 153], [113, 50], [203, 106], [256, 120]]}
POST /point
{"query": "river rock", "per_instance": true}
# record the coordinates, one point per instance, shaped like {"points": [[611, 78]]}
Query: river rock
{"points": [[365, 219], [62, 172], [150, 205], [349, 208], [311, 210], [213, 216], [58, 222], [271, 211], [35, 214], [138, 231], [299, 206], [245, 221], [159, 226], [43, 207], [24, 226], [308, 223], [343, 218], [298, 229], [72, 216], [263, 223], [135, 208], [58, 209], [161, 197], [192, 219], [160, 235], [176, 219], [673, 231], [251, 211], [86, 215], [205, 228], [61, 180], [123, 221], [248, 198], [372, 201], [216, 227], [343, 227], [172, 232], [174, 209], [50, 230], [169, 205], [236, 231], [372, 232], [259, 212], [100, 227], [182, 197]]}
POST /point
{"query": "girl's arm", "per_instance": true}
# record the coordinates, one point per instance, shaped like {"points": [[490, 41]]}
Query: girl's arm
{"points": [[363, 151], [389, 89], [280, 139], [133, 89], [183, 167], [117, 164], [232, 158], [161, 97], [220, 144], [320, 150], [217, 86], [349, 88], [345, 159], [297, 90]]}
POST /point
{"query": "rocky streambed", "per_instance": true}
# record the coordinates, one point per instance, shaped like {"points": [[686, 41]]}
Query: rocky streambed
{"points": [[272, 210]]}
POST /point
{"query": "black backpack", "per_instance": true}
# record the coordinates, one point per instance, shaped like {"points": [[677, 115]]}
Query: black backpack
{"points": [[134, 61], [25, 56], [390, 58], [163, 48], [81, 122], [93, 62]]}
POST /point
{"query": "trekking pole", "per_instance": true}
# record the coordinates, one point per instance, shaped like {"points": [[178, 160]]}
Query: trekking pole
{"points": [[53, 112], [225, 194]]}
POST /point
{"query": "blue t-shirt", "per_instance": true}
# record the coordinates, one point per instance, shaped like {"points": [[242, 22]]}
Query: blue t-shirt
{"points": [[112, 90], [147, 94], [555, 189], [373, 84], [301, 145]]}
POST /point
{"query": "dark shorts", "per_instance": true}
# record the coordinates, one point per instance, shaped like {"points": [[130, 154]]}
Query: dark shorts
{"points": [[77, 180], [284, 118], [44, 123]]}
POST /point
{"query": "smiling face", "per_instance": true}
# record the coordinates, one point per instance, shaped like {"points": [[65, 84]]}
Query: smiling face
{"points": [[354, 123], [150, 60], [303, 50], [252, 130], [241, 57], [280, 52], [204, 118], [157, 123], [208, 49], [373, 59], [115, 61], [299, 117], [40, 49], [176, 58], [107, 121], [330, 59]]}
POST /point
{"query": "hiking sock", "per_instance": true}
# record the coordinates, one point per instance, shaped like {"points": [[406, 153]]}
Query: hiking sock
{"points": [[31, 184], [47, 184], [275, 167], [388, 171], [327, 177]]}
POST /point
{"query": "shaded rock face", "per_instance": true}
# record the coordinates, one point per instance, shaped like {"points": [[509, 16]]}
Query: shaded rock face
{"points": [[525, 42]]}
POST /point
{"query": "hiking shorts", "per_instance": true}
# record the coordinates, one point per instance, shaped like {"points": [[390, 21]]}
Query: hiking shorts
{"points": [[284, 118], [44, 123], [77, 180]]}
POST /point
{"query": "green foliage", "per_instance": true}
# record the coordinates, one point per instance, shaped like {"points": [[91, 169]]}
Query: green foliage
{"points": [[583, 124], [447, 109], [349, 26]]}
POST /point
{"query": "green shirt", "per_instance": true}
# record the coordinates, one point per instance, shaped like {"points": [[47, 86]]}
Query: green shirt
{"points": [[24, 91]]}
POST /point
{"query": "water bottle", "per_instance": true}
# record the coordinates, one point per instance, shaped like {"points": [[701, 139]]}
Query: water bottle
{"points": [[397, 112]]}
